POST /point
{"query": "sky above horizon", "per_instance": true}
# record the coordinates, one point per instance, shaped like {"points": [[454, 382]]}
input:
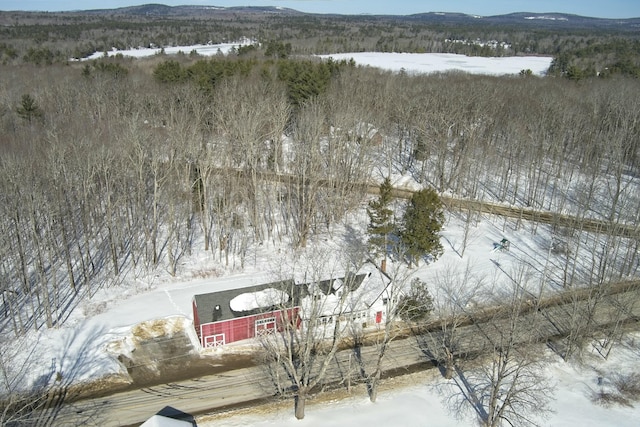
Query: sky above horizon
{"points": [[594, 8]]}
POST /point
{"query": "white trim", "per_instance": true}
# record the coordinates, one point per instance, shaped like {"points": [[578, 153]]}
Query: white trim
{"points": [[279, 310], [217, 340], [262, 326]]}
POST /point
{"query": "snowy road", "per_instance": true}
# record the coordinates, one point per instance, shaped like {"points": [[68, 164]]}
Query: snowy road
{"points": [[208, 393], [249, 385]]}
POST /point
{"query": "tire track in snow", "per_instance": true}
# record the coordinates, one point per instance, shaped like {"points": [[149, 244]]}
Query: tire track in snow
{"points": [[173, 303]]}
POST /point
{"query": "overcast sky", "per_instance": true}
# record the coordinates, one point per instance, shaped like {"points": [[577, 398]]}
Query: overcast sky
{"points": [[595, 8]]}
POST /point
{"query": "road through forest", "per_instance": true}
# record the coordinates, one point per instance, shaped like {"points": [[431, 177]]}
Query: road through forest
{"points": [[246, 384], [552, 318], [583, 223]]}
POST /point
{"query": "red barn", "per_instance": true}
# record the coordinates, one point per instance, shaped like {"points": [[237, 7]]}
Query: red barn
{"points": [[228, 316], [238, 314]]}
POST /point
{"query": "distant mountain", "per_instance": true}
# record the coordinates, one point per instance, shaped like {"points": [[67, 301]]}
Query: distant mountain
{"points": [[161, 10], [544, 20], [520, 19]]}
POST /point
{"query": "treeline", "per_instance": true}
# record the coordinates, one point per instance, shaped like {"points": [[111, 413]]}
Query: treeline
{"points": [[57, 37], [601, 58], [105, 173], [77, 36], [303, 79]]}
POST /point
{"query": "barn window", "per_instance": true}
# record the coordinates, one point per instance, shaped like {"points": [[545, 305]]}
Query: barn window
{"points": [[265, 326]]}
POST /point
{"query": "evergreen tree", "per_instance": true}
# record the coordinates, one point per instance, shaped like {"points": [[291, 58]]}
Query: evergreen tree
{"points": [[380, 220], [170, 72], [422, 221], [28, 109], [416, 304]]}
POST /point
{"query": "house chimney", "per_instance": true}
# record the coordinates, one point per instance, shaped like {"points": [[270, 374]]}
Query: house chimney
{"points": [[383, 265]]}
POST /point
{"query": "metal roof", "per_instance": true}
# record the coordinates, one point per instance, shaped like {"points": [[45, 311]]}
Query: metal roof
{"points": [[215, 306]]}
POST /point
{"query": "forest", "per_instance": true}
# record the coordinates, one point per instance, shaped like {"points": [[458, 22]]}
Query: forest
{"points": [[116, 168], [105, 173], [583, 47]]}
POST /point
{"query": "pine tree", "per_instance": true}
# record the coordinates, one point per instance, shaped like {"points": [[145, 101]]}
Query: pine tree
{"points": [[28, 109], [380, 220], [422, 221], [417, 304]]}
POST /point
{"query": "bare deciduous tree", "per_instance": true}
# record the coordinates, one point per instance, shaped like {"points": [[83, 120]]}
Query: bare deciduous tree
{"points": [[300, 354], [394, 297], [307, 167], [509, 386], [21, 406], [455, 295]]}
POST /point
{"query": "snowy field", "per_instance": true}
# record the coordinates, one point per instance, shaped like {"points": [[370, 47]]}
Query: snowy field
{"points": [[424, 63], [414, 63], [79, 349], [202, 49]]}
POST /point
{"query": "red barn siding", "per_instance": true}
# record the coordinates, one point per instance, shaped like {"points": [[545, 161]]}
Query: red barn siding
{"points": [[196, 319], [240, 328]]}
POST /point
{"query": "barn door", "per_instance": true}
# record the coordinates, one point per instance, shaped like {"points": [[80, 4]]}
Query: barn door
{"points": [[265, 326], [214, 340]]}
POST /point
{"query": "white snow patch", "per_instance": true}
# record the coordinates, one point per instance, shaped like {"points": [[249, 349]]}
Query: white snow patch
{"points": [[424, 63], [160, 421], [260, 299], [200, 49]]}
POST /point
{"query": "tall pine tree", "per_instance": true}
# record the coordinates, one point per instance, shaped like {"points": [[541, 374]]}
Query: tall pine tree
{"points": [[380, 220], [422, 221]]}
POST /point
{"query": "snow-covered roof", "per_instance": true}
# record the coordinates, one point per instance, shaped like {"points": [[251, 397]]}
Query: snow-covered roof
{"points": [[161, 421], [232, 303], [365, 288], [260, 299], [218, 306]]}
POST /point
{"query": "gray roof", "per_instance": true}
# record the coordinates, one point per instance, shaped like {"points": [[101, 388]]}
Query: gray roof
{"points": [[215, 306]]}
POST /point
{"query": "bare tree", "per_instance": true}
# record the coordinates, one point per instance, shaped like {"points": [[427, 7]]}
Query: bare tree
{"points": [[21, 406], [315, 321], [398, 303], [509, 386], [252, 119], [307, 166], [455, 295]]}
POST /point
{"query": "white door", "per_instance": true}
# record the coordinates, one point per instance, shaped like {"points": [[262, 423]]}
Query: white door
{"points": [[214, 340]]}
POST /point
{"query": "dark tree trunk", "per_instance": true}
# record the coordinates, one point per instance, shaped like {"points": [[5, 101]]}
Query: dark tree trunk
{"points": [[299, 404]]}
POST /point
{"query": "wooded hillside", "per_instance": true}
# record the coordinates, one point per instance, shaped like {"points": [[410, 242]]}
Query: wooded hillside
{"points": [[105, 172]]}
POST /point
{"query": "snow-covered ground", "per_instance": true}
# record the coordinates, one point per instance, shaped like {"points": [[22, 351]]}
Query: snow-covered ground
{"points": [[420, 400], [78, 349], [201, 49], [415, 63], [424, 63]]}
